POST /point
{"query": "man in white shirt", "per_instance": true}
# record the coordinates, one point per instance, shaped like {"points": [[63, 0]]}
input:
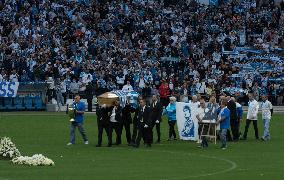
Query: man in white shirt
{"points": [[127, 87], [267, 110], [194, 102], [14, 76], [200, 114], [251, 116]]}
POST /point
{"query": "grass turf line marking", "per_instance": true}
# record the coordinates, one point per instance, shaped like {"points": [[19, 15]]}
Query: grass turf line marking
{"points": [[231, 168]]}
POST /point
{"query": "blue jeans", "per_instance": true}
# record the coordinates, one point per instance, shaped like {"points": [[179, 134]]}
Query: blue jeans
{"points": [[266, 134], [223, 138], [81, 130]]}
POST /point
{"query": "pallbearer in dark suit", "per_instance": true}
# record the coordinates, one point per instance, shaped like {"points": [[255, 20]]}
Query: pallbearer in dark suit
{"points": [[156, 115], [144, 124], [135, 122], [127, 120], [115, 121], [103, 122], [231, 105]]}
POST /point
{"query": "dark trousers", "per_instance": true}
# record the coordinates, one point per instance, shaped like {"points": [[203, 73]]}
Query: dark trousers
{"points": [[235, 129], [143, 132], [248, 121], [172, 129], [158, 130], [126, 126], [90, 105], [101, 128], [134, 133], [116, 127], [204, 142]]}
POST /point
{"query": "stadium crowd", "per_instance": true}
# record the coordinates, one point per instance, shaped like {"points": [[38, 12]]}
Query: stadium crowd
{"points": [[89, 47]]}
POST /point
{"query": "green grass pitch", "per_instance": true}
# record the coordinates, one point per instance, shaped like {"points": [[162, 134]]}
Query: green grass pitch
{"points": [[48, 133]]}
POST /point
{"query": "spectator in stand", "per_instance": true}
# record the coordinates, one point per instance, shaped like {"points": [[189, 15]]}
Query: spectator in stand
{"points": [[127, 87], [164, 92]]}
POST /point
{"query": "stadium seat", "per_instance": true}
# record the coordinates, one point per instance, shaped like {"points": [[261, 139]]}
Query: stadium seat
{"points": [[28, 103], [18, 101], [2, 107], [38, 103], [8, 103]]}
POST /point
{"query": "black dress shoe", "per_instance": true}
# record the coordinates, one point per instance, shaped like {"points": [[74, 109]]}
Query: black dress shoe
{"points": [[148, 145], [109, 145], [98, 145]]}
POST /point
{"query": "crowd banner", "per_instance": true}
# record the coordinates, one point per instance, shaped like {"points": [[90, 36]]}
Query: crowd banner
{"points": [[131, 95], [186, 121], [8, 89]]}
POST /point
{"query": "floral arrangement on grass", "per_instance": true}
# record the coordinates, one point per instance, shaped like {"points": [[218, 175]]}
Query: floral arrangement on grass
{"points": [[35, 160], [8, 149]]}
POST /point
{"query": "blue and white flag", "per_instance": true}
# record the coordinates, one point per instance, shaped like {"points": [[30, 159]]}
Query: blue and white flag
{"points": [[123, 95], [8, 89], [186, 121], [133, 98]]}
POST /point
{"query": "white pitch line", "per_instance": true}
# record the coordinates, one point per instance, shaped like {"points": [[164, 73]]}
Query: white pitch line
{"points": [[232, 163]]}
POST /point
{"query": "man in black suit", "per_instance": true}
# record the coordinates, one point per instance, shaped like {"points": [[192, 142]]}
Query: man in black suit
{"points": [[233, 119], [135, 123], [127, 120], [115, 121], [144, 124], [156, 115], [103, 122]]}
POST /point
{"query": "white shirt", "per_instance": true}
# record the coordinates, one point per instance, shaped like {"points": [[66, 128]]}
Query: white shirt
{"points": [[252, 110], [201, 112], [265, 108], [112, 116], [127, 88], [194, 104], [120, 80], [13, 78]]}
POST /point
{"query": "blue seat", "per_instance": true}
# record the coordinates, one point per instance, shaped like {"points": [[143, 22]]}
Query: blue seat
{"points": [[38, 103], [18, 101], [8, 103], [2, 107], [28, 103]]}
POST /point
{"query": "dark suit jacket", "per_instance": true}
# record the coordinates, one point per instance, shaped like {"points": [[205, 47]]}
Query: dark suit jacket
{"points": [[144, 117], [156, 113], [135, 118], [233, 110], [126, 113], [102, 116]]}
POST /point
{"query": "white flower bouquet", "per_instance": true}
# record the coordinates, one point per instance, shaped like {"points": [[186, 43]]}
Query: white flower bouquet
{"points": [[8, 149], [35, 160]]}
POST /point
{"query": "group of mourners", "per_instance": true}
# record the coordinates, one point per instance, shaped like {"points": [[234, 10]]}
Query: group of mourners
{"points": [[227, 114]]}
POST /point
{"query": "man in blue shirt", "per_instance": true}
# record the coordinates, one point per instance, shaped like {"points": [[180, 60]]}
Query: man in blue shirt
{"points": [[79, 107], [224, 121]]}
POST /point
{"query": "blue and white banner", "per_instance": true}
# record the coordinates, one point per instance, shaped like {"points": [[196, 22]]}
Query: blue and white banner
{"points": [[8, 89], [186, 121], [131, 95]]}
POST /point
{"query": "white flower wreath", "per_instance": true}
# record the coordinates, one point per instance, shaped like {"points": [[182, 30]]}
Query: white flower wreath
{"points": [[35, 160], [8, 148]]}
